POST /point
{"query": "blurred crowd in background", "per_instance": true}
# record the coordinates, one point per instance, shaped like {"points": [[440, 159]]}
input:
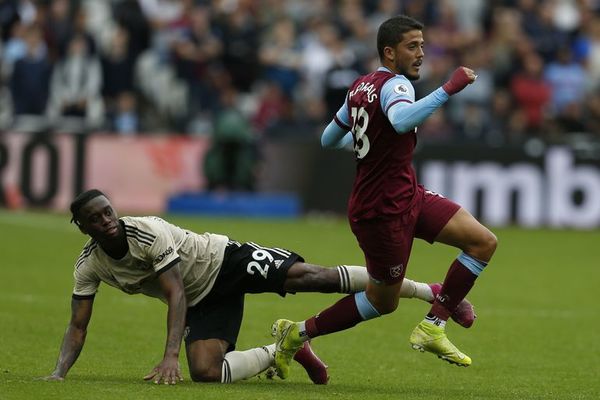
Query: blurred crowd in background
{"points": [[263, 69]]}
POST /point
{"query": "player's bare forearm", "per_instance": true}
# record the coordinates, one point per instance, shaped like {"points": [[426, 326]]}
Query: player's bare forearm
{"points": [[175, 323], [168, 371], [69, 351], [74, 339]]}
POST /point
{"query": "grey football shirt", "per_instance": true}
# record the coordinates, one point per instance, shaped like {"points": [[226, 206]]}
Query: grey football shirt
{"points": [[154, 246]]}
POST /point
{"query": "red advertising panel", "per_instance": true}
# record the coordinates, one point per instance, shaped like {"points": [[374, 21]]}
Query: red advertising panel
{"points": [[140, 173]]}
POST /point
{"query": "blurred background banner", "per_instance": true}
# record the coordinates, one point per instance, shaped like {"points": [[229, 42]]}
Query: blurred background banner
{"points": [[39, 170], [139, 174], [531, 187]]}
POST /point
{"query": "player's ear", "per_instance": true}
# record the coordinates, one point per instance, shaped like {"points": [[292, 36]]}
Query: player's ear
{"points": [[81, 228], [389, 53]]}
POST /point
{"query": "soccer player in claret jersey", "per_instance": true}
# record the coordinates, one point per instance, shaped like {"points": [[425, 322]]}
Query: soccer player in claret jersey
{"points": [[387, 208], [203, 279]]}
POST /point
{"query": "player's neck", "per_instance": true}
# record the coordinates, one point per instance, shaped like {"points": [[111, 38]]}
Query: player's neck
{"points": [[389, 68], [116, 247]]}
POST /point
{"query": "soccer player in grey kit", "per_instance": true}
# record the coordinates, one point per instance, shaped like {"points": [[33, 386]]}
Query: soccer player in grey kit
{"points": [[203, 279], [387, 208]]}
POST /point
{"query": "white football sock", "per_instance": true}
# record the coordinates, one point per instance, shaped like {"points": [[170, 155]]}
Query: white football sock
{"points": [[240, 365], [352, 278], [418, 290], [433, 320], [302, 331]]}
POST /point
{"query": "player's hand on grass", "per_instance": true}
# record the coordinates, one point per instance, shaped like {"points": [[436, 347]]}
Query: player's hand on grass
{"points": [[52, 378], [167, 372]]}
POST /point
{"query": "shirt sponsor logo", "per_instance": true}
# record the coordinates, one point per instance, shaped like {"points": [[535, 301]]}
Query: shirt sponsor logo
{"points": [[164, 254]]}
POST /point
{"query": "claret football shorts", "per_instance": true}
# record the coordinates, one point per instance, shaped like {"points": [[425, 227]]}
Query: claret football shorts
{"points": [[387, 241]]}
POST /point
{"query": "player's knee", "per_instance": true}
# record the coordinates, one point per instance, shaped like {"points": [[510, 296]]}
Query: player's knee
{"points": [[483, 246], [489, 244], [385, 306], [205, 373]]}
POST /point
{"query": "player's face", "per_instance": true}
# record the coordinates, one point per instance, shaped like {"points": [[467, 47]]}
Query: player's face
{"points": [[98, 219], [408, 55]]}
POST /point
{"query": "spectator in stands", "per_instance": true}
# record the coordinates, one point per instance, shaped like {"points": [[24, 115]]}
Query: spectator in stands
{"points": [[531, 92], [241, 42], [587, 49], [125, 119], [506, 125], [343, 70], [230, 164], [592, 115], [30, 79], [538, 25], [280, 56], [568, 80], [66, 19], [117, 68], [129, 15], [471, 107], [160, 14], [195, 52], [75, 89], [272, 105], [9, 16], [14, 49]]}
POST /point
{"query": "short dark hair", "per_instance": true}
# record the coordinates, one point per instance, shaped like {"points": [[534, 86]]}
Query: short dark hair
{"points": [[391, 31], [82, 200]]}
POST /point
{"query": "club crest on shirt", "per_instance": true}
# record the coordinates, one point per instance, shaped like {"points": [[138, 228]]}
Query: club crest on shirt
{"points": [[401, 89], [396, 270]]}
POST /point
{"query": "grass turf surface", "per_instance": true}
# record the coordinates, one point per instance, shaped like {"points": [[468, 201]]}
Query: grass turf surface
{"points": [[536, 336]]}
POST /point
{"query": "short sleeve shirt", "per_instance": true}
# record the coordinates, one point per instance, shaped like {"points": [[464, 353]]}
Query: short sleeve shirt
{"points": [[155, 245]]}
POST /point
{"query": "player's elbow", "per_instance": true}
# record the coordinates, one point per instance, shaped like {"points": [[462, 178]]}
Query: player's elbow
{"points": [[326, 143], [401, 127]]}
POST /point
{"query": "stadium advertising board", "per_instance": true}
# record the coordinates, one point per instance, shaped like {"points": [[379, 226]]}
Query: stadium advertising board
{"points": [[501, 186], [139, 173], [552, 190]]}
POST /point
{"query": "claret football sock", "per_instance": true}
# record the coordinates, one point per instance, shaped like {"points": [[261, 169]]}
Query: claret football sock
{"points": [[458, 282], [340, 316]]}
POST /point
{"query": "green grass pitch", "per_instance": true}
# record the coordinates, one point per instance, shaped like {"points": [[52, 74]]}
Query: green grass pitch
{"points": [[537, 335]]}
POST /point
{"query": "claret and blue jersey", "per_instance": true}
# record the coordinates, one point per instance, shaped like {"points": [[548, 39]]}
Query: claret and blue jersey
{"points": [[379, 117]]}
